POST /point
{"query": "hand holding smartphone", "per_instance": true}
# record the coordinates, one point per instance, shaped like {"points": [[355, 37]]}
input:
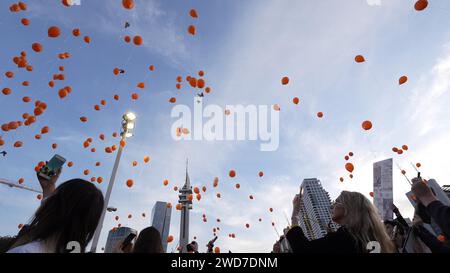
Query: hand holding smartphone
{"points": [[52, 167], [127, 242], [49, 173]]}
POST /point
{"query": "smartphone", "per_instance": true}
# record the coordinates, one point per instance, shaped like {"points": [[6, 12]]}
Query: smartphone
{"points": [[128, 240], [52, 166]]}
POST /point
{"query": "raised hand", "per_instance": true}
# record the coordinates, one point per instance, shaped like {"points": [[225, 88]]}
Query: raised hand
{"points": [[49, 185]]}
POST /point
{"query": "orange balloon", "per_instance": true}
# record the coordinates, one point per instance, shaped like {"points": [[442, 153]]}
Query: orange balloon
{"points": [[349, 167], [18, 144], [201, 83], [192, 30], [402, 80], [137, 40], [320, 115], [25, 21], [37, 47], [193, 13], [130, 183], [285, 81], [54, 32], [6, 91], [76, 32], [170, 239], [296, 100], [421, 5], [360, 59], [146, 159], [232, 173], [128, 4], [367, 125]]}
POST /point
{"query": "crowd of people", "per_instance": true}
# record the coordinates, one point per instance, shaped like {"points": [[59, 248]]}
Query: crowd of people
{"points": [[361, 226], [71, 212]]}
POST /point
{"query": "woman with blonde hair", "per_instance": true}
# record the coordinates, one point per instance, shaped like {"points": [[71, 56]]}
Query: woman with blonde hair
{"points": [[361, 229]]}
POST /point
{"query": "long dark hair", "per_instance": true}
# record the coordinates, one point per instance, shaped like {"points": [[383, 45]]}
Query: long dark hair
{"points": [[71, 213], [148, 241]]}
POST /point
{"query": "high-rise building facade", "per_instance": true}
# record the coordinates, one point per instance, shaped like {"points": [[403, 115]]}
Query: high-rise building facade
{"points": [[116, 236], [383, 188], [161, 215], [315, 210]]}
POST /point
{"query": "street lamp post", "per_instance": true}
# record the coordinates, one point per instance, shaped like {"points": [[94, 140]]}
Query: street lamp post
{"points": [[128, 122]]}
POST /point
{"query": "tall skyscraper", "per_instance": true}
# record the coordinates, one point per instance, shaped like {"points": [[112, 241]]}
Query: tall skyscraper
{"points": [[383, 189], [161, 220], [185, 200], [116, 236], [315, 210]]}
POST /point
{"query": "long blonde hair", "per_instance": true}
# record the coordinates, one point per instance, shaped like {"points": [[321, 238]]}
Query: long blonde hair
{"points": [[363, 222]]}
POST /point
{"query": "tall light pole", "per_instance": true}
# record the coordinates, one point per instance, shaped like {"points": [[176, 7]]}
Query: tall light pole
{"points": [[128, 123]]}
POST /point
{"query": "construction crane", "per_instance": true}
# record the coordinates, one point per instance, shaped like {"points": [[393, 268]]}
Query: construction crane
{"points": [[15, 185]]}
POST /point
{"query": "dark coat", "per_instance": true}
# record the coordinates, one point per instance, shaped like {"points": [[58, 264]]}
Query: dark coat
{"points": [[340, 241]]}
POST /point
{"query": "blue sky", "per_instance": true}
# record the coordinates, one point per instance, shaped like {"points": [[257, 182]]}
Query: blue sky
{"points": [[244, 47]]}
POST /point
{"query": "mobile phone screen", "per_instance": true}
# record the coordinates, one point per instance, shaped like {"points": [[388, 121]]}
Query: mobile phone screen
{"points": [[52, 166], [128, 240]]}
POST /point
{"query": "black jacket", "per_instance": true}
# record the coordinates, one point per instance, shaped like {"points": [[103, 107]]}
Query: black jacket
{"points": [[430, 240], [441, 215], [340, 241]]}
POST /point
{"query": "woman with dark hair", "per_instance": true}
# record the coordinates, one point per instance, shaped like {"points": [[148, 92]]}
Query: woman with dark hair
{"points": [[69, 213], [148, 241]]}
